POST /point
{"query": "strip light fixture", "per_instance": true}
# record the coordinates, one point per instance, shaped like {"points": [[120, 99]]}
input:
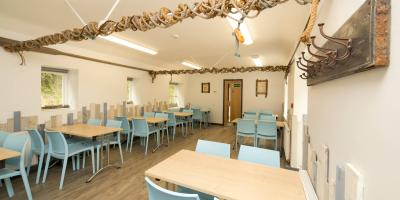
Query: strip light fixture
{"points": [[257, 61], [126, 43], [243, 27], [191, 65]]}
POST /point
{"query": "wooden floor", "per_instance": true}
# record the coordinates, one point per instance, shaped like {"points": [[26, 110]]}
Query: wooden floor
{"points": [[124, 183]]}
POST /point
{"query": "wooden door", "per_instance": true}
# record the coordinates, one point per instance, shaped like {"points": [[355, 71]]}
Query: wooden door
{"points": [[232, 100]]}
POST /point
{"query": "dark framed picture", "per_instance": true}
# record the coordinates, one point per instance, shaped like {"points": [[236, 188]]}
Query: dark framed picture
{"points": [[205, 87], [262, 87]]}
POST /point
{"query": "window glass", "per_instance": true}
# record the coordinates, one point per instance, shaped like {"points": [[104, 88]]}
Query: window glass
{"points": [[172, 93], [52, 93]]}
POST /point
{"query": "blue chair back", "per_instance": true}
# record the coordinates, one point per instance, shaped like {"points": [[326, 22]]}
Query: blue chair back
{"points": [[172, 110], [57, 142], [250, 115], [171, 119], [213, 148], [3, 136], [267, 128], [197, 114], [94, 122], [17, 142], [161, 115], [261, 156], [246, 126], [187, 110], [114, 123], [266, 117], [141, 127], [158, 193], [266, 112], [148, 114], [36, 140], [124, 124]]}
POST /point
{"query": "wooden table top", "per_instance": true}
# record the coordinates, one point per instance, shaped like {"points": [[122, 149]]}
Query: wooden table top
{"points": [[183, 114], [150, 120], [228, 178], [279, 124], [7, 153], [85, 130]]}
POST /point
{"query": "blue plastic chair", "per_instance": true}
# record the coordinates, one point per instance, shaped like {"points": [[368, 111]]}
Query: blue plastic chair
{"points": [[3, 136], [173, 122], [266, 112], [266, 117], [267, 130], [213, 148], [38, 148], [127, 130], [164, 126], [188, 120], [246, 128], [17, 143], [258, 155], [158, 193], [116, 140], [198, 116], [250, 115], [60, 149], [143, 130], [94, 122], [149, 114]]}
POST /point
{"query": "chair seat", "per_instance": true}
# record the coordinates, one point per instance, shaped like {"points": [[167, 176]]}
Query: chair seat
{"points": [[267, 136], [78, 147], [7, 173], [202, 196], [246, 134]]}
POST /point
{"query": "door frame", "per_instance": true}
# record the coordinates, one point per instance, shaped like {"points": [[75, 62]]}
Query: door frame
{"points": [[223, 97]]}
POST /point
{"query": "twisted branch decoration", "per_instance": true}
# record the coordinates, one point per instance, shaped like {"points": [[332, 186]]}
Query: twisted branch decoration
{"points": [[216, 70], [163, 18]]}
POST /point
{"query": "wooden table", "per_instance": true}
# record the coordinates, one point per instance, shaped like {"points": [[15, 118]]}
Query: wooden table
{"points": [[228, 178], [96, 133], [6, 154]]}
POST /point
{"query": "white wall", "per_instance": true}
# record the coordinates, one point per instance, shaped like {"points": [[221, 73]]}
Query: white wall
{"points": [[97, 83], [214, 99], [358, 116]]}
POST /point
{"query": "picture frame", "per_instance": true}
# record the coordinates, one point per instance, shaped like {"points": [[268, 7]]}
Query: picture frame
{"points": [[262, 87], [205, 87]]}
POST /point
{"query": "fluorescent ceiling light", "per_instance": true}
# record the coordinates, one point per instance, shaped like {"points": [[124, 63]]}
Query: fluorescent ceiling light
{"points": [[257, 61], [243, 27], [191, 65], [128, 44]]}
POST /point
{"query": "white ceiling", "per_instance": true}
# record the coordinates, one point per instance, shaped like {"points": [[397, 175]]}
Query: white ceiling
{"points": [[275, 31]]}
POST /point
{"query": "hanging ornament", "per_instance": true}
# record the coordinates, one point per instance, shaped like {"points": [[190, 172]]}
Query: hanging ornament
{"points": [[239, 39]]}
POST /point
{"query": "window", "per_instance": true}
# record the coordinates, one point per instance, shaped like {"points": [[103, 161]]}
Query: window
{"points": [[173, 95], [54, 88], [130, 90]]}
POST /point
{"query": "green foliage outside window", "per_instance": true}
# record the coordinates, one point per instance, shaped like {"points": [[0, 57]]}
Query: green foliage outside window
{"points": [[51, 89]]}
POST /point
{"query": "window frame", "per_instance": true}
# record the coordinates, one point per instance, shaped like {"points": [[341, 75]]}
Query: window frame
{"points": [[64, 87]]}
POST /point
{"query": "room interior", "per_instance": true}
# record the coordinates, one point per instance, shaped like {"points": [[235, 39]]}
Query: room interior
{"points": [[199, 99]]}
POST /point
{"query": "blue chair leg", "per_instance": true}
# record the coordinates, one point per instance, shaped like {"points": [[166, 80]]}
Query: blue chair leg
{"points": [[98, 158], [127, 141], [73, 163], [9, 187], [29, 162], [147, 144], [84, 160], [46, 168], [26, 184], [65, 161], [39, 170], [120, 148], [131, 143], [93, 162]]}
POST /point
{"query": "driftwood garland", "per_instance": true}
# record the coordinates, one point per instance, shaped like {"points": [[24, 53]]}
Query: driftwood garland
{"points": [[214, 70], [163, 18]]}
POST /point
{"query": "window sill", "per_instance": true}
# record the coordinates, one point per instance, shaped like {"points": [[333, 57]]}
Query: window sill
{"points": [[55, 107]]}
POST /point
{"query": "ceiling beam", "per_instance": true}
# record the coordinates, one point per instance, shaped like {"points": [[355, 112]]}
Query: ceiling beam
{"points": [[56, 52]]}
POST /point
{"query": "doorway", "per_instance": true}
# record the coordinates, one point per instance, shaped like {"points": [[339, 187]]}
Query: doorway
{"points": [[233, 93]]}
